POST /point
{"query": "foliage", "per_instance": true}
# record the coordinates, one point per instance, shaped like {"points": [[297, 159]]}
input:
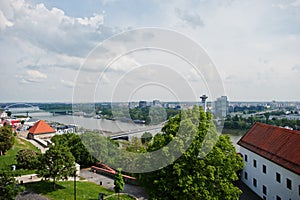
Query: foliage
{"points": [[27, 158], [206, 169], [57, 163], [146, 137], [8, 186], [135, 145], [77, 148], [119, 181], [10, 157], [241, 123], [102, 148], [84, 190], [6, 139]]}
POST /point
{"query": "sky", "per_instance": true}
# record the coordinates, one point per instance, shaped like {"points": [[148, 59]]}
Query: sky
{"points": [[64, 51]]}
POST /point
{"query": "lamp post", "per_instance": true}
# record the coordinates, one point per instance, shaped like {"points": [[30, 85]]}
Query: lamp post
{"points": [[75, 184]]}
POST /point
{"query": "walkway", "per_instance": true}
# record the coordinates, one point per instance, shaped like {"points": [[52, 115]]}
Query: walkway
{"points": [[37, 145]]}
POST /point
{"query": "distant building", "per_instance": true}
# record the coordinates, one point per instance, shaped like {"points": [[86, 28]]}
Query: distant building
{"points": [[272, 158], [142, 104], [156, 103], [3, 114], [41, 130], [221, 107]]}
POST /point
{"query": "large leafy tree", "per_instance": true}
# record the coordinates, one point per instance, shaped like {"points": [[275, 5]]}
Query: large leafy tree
{"points": [[27, 158], [6, 139], [205, 170], [77, 148], [8, 186], [57, 163]]}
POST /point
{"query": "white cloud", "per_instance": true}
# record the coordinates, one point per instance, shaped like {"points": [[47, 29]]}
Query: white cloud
{"points": [[34, 76], [190, 18], [69, 84], [4, 22]]}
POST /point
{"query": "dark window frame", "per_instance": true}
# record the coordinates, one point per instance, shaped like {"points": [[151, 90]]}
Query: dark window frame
{"points": [[278, 197], [289, 183], [254, 182], [254, 163], [264, 169], [278, 177], [264, 189]]}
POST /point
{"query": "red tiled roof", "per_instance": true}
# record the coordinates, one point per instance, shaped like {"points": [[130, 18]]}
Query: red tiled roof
{"points": [[279, 145], [41, 127]]}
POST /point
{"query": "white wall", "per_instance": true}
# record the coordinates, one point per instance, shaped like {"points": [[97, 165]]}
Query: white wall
{"points": [[269, 179]]}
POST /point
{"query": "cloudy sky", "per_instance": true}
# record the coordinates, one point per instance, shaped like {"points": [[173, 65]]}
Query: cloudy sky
{"points": [[48, 49]]}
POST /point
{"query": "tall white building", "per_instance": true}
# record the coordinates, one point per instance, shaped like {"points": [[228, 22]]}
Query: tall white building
{"points": [[221, 107], [272, 162]]}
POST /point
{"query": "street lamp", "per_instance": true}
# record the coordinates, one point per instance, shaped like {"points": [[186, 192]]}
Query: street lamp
{"points": [[75, 184]]}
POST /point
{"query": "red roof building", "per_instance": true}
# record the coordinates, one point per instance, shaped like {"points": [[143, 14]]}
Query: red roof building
{"points": [[41, 130], [272, 158]]}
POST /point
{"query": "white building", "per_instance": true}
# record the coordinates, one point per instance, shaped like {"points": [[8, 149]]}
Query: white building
{"points": [[272, 162], [221, 107]]}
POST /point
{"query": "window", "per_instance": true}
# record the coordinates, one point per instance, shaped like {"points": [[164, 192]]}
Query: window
{"points": [[278, 177], [264, 169], [264, 190], [246, 158], [278, 197], [288, 183], [254, 182], [246, 175], [254, 163]]}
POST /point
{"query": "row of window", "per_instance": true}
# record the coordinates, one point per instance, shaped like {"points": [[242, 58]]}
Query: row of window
{"points": [[264, 167], [278, 179], [264, 188], [289, 184]]}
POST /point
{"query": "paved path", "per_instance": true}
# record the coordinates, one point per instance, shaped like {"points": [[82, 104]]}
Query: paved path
{"points": [[108, 183], [40, 147]]}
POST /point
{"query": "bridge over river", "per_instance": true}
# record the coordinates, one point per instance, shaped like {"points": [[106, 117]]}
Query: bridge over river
{"points": [[127, 135]]}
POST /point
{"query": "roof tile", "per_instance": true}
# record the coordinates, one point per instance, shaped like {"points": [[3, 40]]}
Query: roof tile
{"points": [[41, 127], [279, 145]]}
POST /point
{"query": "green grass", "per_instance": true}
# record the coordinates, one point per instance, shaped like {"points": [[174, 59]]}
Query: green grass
{"points": [[10, 156], [65, 190]]}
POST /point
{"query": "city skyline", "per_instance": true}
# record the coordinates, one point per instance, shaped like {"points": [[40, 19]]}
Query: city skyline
{"points": [[254, 46]]}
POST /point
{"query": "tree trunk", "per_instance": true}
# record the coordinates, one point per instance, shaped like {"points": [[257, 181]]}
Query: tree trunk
{"points": [[54, 186]]}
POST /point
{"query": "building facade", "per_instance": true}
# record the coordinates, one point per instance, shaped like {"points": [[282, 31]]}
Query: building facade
{"points": [[221, 107], [272, 162], [41, 130]]}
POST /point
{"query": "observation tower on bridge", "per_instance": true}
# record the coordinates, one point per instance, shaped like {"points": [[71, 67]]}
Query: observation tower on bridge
{"points": [[203, 100]]}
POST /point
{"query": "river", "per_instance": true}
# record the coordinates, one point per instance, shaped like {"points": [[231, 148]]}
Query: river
{"points": [[105, 125], [92, 124]]}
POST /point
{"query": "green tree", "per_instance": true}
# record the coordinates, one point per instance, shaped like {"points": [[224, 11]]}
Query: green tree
{"points": [[146, 137], [77, 148], [8, 113], [8, 186], [27, 158], [6, 139], [267, 116], [57, 163], [205, 170], [119, 181]]}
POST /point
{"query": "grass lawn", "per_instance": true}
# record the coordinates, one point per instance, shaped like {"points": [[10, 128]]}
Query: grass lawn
{"points": [[65, 190], [10, 156]]}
